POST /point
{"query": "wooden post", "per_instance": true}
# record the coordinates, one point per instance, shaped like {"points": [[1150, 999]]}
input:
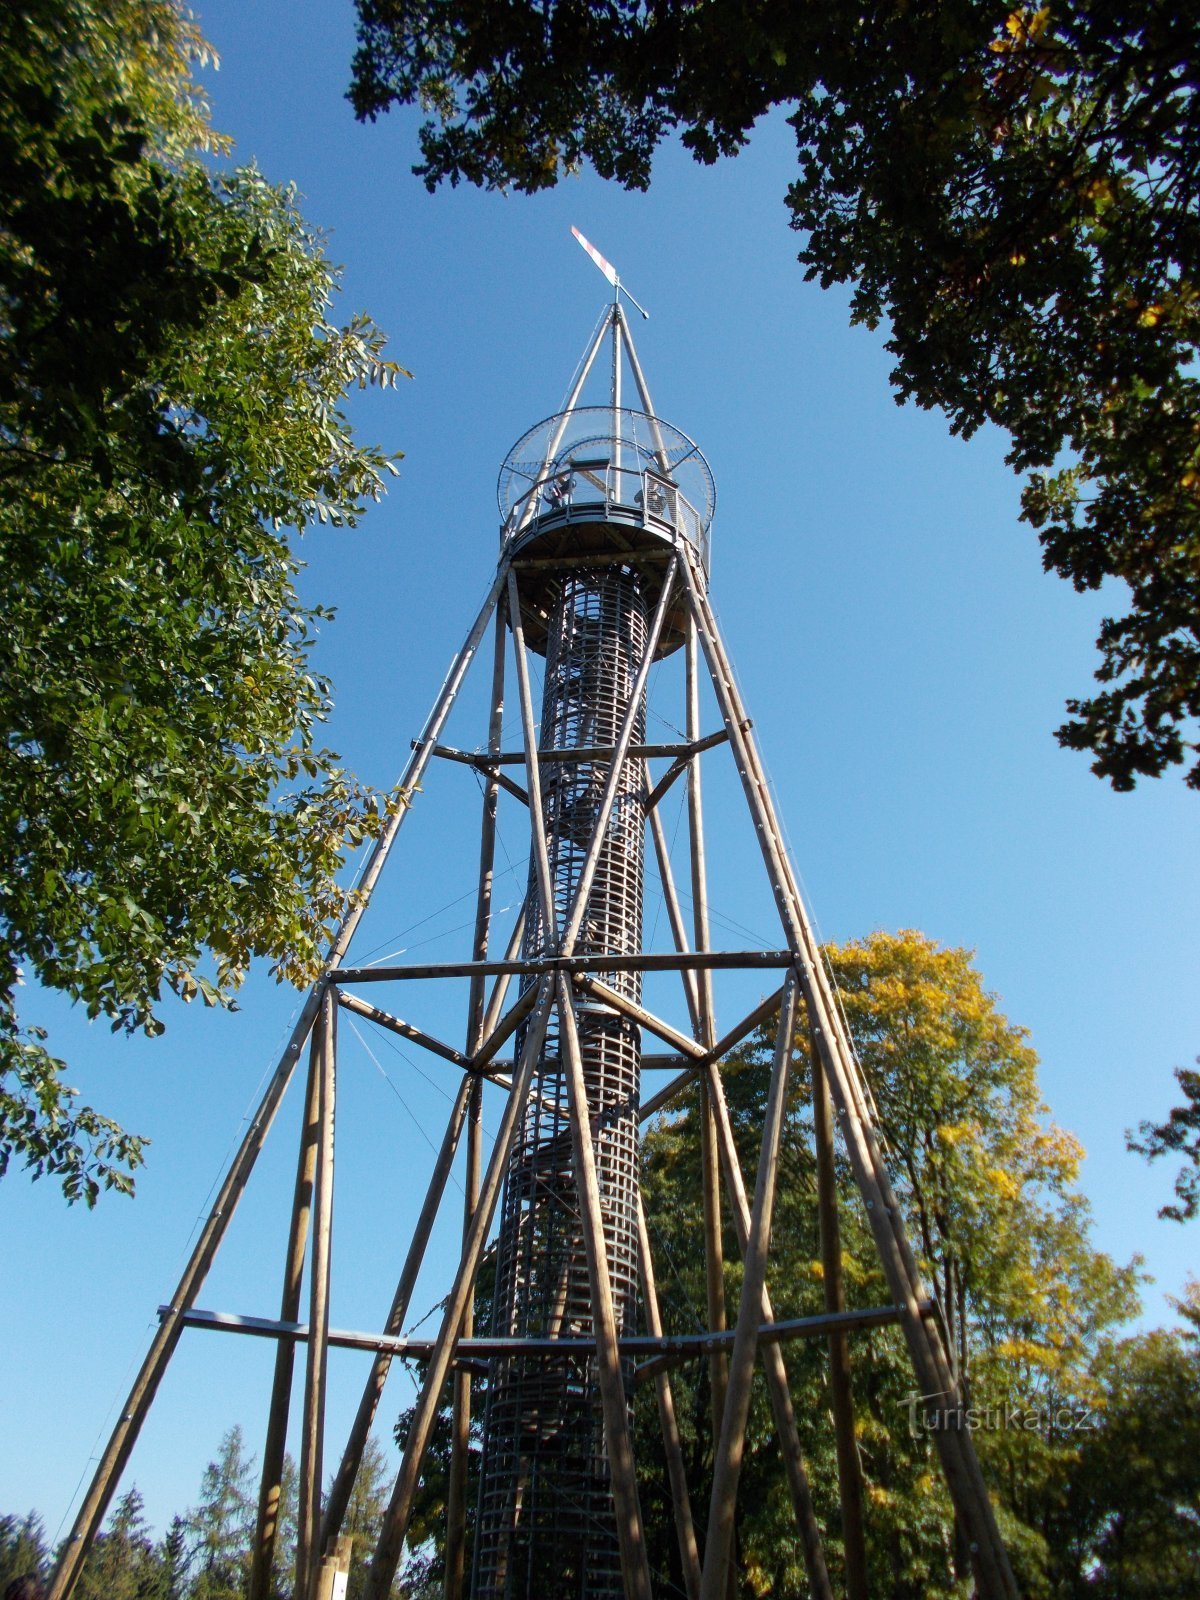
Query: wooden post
{"points": [[312, 1438], [630, 1533], [714, 1250], [587, 870], [964, 1479], [333, 1579], [850, 1489], [533, 777], [343, 1482], [456, 1500], [162, 1347], [674, 914], [399, 1510], [728, 1460], [285, 1350], [680, 1499], [774, 1365]]}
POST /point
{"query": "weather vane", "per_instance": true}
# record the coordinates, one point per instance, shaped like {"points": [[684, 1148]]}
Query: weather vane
{"points": [[610, 272]]}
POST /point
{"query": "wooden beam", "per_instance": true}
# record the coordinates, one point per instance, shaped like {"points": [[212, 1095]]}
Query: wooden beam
{"points": [[574, 754], [931, 1366], [841, 1396], [132, 1415], [275, 1445], [681, 1503], [312, 1431], [390, 1342], [640, 961], [727, 1463], [384, 1019], [631, 1536], [399, 1509], [669, 1350], [646, 1019]]}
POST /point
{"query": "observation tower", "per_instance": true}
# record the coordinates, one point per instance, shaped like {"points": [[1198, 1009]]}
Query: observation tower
{"points": [[603, 570]]}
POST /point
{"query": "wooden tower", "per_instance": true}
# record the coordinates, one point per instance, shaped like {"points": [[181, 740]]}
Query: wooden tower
{"points": [[603, 570]]}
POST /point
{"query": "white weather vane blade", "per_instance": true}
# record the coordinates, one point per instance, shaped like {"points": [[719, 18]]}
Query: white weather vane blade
{"points": [[609, 271], [606, 267]]}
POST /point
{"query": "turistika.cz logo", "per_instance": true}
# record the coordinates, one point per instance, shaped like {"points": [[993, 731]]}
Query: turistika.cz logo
{"points": [[1060, 1417]]}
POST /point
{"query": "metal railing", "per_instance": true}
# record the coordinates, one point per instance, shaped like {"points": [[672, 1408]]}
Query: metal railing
{"points": [[587, 490]]}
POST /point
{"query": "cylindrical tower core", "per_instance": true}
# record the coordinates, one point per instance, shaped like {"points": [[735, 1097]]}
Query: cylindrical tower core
{"points": [[592, 500], [546, 1528]]}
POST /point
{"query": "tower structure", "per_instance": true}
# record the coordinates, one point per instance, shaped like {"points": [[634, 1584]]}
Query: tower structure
{"points": [[603, 570]]}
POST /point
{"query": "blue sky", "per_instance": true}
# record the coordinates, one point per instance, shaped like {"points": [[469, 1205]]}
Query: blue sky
{"points": [[903, 656]]}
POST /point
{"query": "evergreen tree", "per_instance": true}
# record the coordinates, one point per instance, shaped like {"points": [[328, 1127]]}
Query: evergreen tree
{"points": [[172, 1557], [123, 1563], [364, 1515], [22, 1548], [220, 1528]]}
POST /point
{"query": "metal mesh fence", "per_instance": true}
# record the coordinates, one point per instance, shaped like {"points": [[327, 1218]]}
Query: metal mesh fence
{"points": [[545, 1526]]}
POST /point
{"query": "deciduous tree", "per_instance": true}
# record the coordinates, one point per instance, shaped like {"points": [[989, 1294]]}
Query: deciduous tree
{"points": [[171, 385], [1179, 1135], [1003, 1233], [1011, 188]]}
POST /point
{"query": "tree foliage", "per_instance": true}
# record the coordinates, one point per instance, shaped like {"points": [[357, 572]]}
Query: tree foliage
{"points": [[171, 383], [1012, 189], [23, 1549], [123, 1563], [1003, 1235], [220, 1527], [1178, 1135]]}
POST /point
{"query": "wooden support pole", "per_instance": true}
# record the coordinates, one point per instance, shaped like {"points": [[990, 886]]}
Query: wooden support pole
{"points": [[533, 779], [587, 871], [504, 1029], [274, 1448], [841, 1396], [636, 961], [680, 765], [637, 1013], [384, 1019], [343, 1482], [573, 755], [730, 1448], [674, 914], [772, 1357], [456, 1499], [931, 1367], [334, 1574], [668, 1351], [630, 1534], [681, 1504], [714, 1250], [162, 1347], [460, 1427], [500, 987], [399, 1509], [670, 1091], [312, 1437]]}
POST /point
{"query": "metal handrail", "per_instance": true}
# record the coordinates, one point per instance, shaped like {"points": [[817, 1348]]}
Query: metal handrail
{"points": [[655, 498]]}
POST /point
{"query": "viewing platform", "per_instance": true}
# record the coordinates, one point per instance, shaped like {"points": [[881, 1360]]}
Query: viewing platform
{"points": [[602, 484]]}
